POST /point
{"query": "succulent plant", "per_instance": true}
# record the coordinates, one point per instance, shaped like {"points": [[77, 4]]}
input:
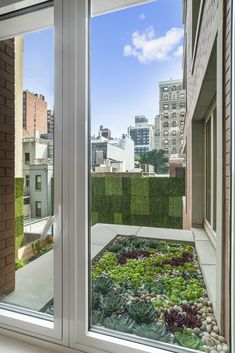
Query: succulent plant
{"points": [[132, 255], [157, 287], [102, 284], [190, 309], [111, 303], [97, 317], [188, 340], [174, 320], [142, 311], [152, 331], [95, 300], [120, 322], [192, 321]]}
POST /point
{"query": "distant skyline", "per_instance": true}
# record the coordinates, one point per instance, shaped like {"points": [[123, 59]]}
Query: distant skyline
{"points": [[131, 51]]}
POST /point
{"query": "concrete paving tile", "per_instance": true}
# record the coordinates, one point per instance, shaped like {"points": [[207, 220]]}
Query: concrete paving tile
{"points": [[199, 234], [205, 252], [166, 234]]}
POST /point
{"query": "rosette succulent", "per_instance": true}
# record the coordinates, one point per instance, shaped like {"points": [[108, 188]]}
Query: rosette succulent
{"points": [[175, 320], [188, 340], [102, 284], [120, 322], [111, 303], [97, 317], [152, 331], [142, 311]]}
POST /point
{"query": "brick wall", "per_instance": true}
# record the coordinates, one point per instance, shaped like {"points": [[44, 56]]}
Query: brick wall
{"points": [[226, 159], [7, 198]]}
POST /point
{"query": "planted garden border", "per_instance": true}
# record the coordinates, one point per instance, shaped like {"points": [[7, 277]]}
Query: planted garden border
{"points": [[154, 289]]}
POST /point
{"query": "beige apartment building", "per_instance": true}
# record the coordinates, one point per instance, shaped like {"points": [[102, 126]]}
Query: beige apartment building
{"points": [[172, 98], [34, 113]]}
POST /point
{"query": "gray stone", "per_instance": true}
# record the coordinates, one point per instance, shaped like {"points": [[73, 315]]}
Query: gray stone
{"points": [[216, 329]]}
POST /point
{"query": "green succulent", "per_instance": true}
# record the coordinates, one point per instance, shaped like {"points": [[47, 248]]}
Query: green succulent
{"points": [[152, 331], [97, 317], [102, 284], [95, 299], [121, 323], [157, 287], [142, 311], [111, 303], [188, 340]]}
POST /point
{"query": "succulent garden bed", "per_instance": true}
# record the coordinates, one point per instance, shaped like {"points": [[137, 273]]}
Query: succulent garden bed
{"points": [[154, 289]]}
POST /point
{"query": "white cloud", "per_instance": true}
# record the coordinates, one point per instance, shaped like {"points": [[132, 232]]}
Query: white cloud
{"points": [[179, 51], [147, 47], [142, 16]]}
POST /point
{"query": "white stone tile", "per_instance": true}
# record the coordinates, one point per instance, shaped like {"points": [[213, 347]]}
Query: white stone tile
{"points": [[205, 252], [166, 234], [199, 234], [95, 249], [102, 235], [209, 275], [123, 229]]}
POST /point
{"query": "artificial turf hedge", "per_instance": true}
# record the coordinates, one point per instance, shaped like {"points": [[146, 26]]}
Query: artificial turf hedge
{"points": [[19, 212], [142, 201]]}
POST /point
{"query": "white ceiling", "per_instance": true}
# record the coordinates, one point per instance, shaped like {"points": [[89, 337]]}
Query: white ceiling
{"points": [[100, 7]]}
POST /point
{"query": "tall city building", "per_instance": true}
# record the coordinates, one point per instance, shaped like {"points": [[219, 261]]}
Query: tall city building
{"points": [[157, 133], [50, 121], [172, 101], [105, 132], [142, 134], [34, 113]]}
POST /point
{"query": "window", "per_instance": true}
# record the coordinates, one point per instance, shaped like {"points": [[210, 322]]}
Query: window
{"points": [[174, 106], [165, 89], [182, 105], [182, 95], [173, 115], [165, 98], [165, 124], [38, 182], [27, 180], [173, 88], [38, 206], [174, 142], [195, 17], [166, 115], [166, 133], [165, 142], [166, 151], [173, 133], [174, 123], [27, 158], [211, 174], [165, 106], [182, 114], [174, 150]]}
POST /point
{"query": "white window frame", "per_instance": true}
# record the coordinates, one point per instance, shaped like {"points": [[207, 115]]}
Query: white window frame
{"points": [[12, 318]]}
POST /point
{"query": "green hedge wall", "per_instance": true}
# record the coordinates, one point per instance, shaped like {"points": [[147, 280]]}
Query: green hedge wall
{"points": [[142, 201], [19, 212]]}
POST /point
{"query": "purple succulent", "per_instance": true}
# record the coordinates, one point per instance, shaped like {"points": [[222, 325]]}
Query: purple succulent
{"points": [[132, 255], [175, 320]]}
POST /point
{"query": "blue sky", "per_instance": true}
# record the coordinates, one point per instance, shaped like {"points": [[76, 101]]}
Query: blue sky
{"points": [[131, 51]]}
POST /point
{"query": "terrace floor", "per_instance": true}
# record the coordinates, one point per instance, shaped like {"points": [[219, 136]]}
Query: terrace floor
{"points": [[34, 282]]}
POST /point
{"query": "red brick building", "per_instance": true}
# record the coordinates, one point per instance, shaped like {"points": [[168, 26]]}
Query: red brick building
{"points": [[34, 113]]}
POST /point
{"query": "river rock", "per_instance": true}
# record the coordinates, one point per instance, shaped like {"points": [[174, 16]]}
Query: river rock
{"points": [[208, 328], [222, 339], [225, 348], [210, 342], [213, 351], [216, 329], [196, 331], [219, 348], [214, 335], [208, 320]]}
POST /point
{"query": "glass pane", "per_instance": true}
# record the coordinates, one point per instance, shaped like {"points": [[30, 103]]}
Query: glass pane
{"points": [[208, 171], [27, 74], [214, 169]]}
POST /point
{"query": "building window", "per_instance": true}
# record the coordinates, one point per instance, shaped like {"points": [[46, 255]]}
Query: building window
{"points": [[182, 114], [174, 115], [38, 207], [174, 150], [182, 105], [174, 123], [166, 151], [165, 89], [182, 95], [166, 106], [174, 142], [174, 106], [173, 133], [27, 158], [165, 142], [165, 124], [165, 98], [166, 115], [27, 180], [166, 133], [211, 175], [173, 88], [38, 182]]}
